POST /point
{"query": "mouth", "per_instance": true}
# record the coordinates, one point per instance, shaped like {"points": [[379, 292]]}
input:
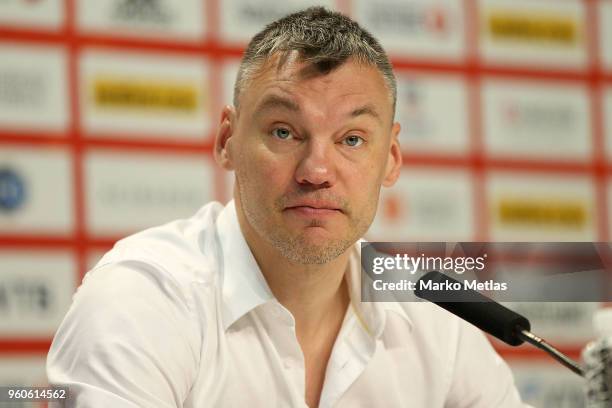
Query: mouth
{"points": [[308, 209]]}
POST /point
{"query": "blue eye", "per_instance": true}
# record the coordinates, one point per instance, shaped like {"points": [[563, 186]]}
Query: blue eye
{"points": [[282, 133], [353, 140]]}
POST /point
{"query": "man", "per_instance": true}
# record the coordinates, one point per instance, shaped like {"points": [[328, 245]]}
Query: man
{"points": [[257, 304]]}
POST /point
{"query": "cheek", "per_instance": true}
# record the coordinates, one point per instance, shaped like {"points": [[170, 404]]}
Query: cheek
{"points": [[263, 173], [365, 182]]}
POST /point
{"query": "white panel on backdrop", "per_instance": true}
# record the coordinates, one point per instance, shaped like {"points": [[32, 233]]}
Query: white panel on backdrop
{"points": [[609, 199], [534, 33], [48, 14], [35, 191], [145, 95], [241, 19], [36, 290], [230, 70], [548, 207], [33, 88], [24, 370], [563, 323], [432, 111], [537, 119], [415, 28], [543, 383], [426, 204], [127, 192], [605, 33], [607, 118], [152, 19]]}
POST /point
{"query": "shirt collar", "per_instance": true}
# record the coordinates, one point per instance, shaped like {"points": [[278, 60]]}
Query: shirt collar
{"points": [[371, 315], [244, 286]]}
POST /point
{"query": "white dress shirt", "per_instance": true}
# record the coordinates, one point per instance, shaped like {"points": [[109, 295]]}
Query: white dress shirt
{"points": [[181, 316]]}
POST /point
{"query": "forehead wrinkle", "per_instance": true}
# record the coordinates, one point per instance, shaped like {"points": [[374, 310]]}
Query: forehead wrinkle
{"points": [[275, 101], [369, 110]]}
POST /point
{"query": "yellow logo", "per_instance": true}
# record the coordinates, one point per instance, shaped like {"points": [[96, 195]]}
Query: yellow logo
{"points": [[533, 27], [131, 93], [542, 213]]}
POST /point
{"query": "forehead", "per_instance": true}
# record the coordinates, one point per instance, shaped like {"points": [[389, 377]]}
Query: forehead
{"points": [[351, 82]]}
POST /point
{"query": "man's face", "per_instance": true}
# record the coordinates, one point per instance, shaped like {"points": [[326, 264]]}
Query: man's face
{"points": [[310, 153]]}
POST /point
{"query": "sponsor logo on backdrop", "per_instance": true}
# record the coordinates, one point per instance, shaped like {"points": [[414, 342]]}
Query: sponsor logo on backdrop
{"points": [[22, 89], [12, 190], [424, 205], [547, 120], [165, 19], [23, 297], [558, 118], [33, 92], [127, 193], [149, 196], [260, 12], [145, 96], [433, 209], [124, 93], [568, 214], [392, 208], [241, 19], [148, 11], [553, 318], [35, 291], [432, 112], [545, 385], [533, 27], [415, 121], [410, 18]]}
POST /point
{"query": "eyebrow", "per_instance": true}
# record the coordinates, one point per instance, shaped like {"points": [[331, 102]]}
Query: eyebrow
{"points": [[277, 101]]}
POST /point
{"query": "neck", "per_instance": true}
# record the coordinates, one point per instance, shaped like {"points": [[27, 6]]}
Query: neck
{"points": [[313, 293]]}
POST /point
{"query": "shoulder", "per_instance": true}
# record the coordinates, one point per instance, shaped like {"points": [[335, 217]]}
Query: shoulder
{"points": [[465, 355], [180, 252]]}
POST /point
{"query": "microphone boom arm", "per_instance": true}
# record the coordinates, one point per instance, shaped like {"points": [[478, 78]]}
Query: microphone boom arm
{"points": [[540, 343]]}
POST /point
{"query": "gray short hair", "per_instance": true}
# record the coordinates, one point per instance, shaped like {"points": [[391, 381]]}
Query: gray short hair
{"points": [[323, 38]]}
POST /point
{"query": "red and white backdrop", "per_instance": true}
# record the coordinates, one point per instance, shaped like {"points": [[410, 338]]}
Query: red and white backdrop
{"points": [[108, 107]]}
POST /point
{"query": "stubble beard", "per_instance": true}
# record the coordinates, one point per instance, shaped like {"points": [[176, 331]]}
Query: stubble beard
{"points": [[296, 247]]}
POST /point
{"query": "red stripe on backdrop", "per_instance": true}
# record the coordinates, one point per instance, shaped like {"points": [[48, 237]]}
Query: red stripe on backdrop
{"points": [[213, 13], [529, 352], [19, 346], [33, 36], [472, 66], [168, 146], [36, 241], [597, 118], [77, 146]]}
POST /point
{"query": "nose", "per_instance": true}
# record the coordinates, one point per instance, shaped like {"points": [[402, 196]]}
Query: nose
{"points": [[316, 166]]}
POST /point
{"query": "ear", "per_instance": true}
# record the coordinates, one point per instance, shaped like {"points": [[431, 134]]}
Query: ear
{"points": [[222, 147], [394, 162]]}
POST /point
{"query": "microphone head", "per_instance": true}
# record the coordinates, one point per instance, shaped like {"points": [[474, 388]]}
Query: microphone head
{"points": [[473, 307]]}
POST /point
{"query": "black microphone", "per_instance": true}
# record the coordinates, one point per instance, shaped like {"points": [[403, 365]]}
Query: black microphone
{"points": [[484, 313]]}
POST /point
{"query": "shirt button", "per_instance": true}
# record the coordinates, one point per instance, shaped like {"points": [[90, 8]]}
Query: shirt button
{"points": [[287, 364]]}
